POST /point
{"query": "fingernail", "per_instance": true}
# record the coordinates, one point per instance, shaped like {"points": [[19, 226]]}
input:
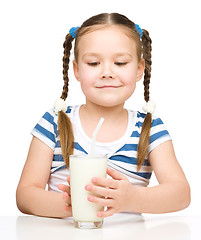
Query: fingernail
{"points": [[90, 198], [99, 214], [94, 179], [88, 187]]}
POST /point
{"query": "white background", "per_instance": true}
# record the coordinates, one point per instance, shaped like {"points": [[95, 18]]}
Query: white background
{"points": [[32, 35]]}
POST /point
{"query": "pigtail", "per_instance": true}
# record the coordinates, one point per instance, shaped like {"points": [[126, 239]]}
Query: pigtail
{"points": [[64, 123], [143, 144]]}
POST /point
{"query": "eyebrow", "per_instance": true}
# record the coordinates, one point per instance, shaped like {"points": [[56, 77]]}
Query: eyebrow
{"points": [[115, 55], [123, 54], [90, 55]]}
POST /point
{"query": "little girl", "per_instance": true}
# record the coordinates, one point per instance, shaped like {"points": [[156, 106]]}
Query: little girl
{"points": [[111, 54]]}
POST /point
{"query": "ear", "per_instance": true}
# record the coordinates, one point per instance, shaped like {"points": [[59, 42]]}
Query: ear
{"points": [[140, 70], [76, 70]]}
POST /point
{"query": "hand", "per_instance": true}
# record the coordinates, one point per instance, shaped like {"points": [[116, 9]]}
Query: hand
{"points": [[114, 193], [66, 196]]}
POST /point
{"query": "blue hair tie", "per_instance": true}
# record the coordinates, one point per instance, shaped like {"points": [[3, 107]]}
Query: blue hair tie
{"points": [[73, 31], [139, 30]]}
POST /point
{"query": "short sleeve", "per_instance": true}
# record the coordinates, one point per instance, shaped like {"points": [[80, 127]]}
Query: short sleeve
{"points": [[45, 129], [158, 134]]}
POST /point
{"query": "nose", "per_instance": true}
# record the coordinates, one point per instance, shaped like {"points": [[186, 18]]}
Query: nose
{"points": [[107, 76], [107, 72]]}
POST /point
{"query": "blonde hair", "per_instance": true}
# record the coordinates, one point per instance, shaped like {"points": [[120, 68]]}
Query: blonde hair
{"points": [[143, 50]]}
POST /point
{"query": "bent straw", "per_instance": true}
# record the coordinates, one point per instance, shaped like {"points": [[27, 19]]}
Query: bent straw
{"points": [[94, 135]]}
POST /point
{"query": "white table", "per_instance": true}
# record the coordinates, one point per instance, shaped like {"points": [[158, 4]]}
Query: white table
{"points": [[119, 226]]}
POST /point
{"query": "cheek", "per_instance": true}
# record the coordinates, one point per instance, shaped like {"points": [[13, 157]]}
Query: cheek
{"points": [[86, 75], [130, 81], [130, 78], [130, 89], [86, 79]]}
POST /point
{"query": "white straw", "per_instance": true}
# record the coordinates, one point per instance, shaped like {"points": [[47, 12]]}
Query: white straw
{"points": [[95, 133]]}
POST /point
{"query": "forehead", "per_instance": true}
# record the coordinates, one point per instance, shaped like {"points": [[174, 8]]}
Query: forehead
{"points": [[110, 39]]}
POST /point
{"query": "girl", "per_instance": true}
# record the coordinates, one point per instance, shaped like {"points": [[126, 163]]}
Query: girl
{"points": [[111, 55]]}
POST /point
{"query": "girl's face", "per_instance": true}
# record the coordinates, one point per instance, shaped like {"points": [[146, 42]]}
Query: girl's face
{"points": [[107, 66]]}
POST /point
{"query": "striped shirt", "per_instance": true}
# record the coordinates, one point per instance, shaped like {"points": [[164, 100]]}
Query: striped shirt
{"points": [[122, 153]]}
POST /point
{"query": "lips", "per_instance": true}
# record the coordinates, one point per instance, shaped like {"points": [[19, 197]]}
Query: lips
{"points": [[108, 86]]}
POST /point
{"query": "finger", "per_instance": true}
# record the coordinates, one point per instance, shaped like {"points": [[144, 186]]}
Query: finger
{"points": [[64, 188], [105, 202], [101, 191], [68, 209], [105, 182], [115, 174], [68, 180], [67, 198], [108, 213]]}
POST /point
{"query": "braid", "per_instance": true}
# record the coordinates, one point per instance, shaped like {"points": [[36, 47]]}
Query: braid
{"points": [[66, 59], [64, 123], [143, 144], [146, 41]]}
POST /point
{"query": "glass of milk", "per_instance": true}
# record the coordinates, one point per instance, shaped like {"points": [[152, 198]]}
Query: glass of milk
{"points": [[82, 169]]}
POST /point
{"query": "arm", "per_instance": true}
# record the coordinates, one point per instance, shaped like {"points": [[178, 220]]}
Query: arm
{"points": [[31, 196], [172, 193]]}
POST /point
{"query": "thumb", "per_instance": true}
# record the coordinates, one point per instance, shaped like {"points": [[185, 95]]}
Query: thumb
{"points": [[115, 174]]}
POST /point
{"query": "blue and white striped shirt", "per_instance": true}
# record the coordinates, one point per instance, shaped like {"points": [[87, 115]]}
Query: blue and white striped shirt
{"points": [[122, 154]]}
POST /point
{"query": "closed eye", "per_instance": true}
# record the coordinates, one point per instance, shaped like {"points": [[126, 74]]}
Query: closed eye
{"points": [[120, 63], [93, 64]]}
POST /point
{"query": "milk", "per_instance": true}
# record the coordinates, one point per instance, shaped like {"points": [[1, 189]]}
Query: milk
{"points": [[82, 170]]}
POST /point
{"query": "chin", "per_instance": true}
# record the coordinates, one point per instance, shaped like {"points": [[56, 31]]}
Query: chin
{"points": [[110, 104], [108, 101]]}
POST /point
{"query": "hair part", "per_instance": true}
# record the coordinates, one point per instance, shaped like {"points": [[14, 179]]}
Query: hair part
{"points": [[104, 20], [143, 51]]}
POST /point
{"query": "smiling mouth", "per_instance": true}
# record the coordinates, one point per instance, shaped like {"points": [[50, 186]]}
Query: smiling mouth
{"points": [[108, 87]]}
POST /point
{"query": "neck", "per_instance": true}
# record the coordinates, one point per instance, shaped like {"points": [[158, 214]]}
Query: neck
{"points": [[97, 111], [115, 121]]}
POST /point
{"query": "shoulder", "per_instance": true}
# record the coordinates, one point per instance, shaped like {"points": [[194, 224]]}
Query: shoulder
{"points": [[46, 128], [158, 131], [72, 110], [51, 116], [49, 119], [140, 116]]}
